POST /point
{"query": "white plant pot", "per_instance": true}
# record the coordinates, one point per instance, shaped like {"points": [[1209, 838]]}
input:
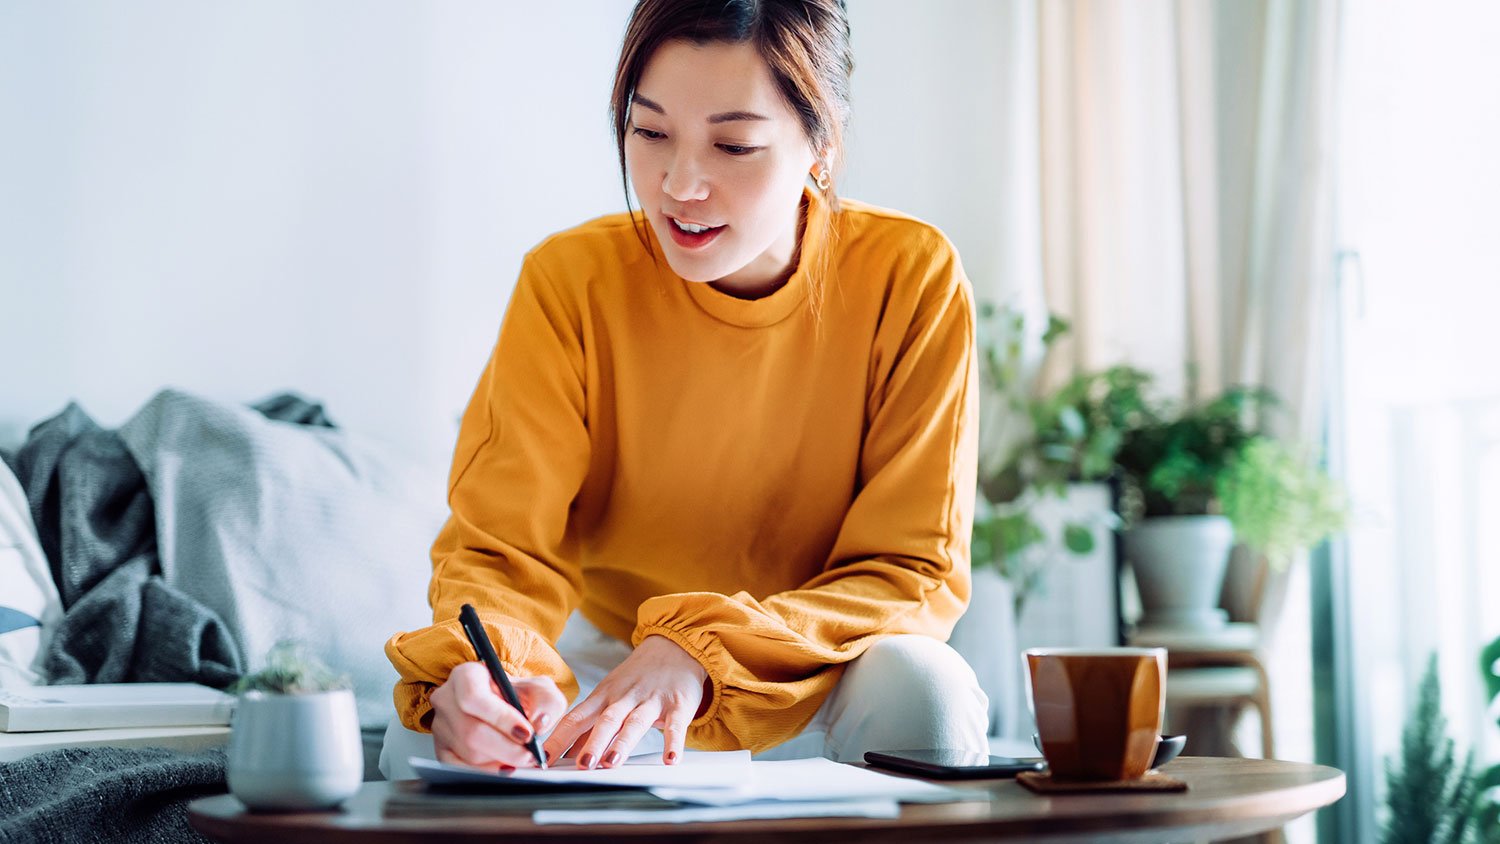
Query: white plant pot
{"points": [[295, 752], [985, 636], [1179, 564]]}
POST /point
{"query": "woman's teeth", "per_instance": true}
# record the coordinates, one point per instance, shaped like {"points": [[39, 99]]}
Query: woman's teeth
{"points": [[691, 227]]}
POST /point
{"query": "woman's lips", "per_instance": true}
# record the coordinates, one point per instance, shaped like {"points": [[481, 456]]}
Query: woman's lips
{"points": [[689, 240]]}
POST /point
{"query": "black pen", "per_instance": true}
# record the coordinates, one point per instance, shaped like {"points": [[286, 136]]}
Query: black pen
{"points": [[468, 619]]}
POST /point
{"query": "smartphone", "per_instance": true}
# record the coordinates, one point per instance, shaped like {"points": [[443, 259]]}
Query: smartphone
{"points": [[944, 764]]}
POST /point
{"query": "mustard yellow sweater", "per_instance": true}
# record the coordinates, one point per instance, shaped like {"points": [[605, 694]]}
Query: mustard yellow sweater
{"points": [[772, 491]]}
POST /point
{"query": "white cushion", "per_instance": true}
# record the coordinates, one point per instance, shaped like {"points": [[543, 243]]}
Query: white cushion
{"points": [[29, 605], [292, 531]]}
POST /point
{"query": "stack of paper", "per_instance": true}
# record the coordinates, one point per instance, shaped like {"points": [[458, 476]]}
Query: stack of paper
{"points": [[709, 787]]}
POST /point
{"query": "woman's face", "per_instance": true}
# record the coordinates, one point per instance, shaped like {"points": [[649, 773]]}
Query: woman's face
{"points": [[710, 142]]}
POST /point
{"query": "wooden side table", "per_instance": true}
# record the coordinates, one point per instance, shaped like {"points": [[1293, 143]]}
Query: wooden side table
{"points": [[1226, 798]]}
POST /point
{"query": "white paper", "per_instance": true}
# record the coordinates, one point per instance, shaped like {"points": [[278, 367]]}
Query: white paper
{"points": [[819, 780], [700, 771], [742, 812]]}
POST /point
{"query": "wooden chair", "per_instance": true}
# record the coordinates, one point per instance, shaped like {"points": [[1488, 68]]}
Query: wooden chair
{"points": [[1212, 677], [1224, 669]]}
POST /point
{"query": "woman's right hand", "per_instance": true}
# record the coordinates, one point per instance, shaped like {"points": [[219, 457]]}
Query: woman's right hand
{"points": [[473, 725]]}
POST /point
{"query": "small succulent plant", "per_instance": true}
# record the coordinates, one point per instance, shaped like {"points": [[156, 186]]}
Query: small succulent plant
{"points": [[291, 670]]}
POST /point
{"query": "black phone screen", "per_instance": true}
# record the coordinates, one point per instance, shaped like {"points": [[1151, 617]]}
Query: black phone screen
{"points": [[939, 763]]}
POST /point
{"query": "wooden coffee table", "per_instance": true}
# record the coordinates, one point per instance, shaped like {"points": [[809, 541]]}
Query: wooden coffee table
{"points": [[1226, 798]]}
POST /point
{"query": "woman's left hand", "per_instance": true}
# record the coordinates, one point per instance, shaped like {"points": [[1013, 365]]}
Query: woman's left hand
{"points": [[659, 685]]}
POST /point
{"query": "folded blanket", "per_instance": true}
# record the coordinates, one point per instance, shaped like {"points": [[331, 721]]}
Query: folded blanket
{"points": [[291, 531], [96, 523], [106, 794]]}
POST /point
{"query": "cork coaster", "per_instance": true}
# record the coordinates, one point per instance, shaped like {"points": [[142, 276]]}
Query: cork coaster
{"points": [[1042, 783]]}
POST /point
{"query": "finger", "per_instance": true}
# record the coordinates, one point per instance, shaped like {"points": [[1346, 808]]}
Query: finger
{"points": [[606, 726], [543, 701], [454, 756], [571, 727], [674, 721], [478, 744], [632, 729], [475, 694]]}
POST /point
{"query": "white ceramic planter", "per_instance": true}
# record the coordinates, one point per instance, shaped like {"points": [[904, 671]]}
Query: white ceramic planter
{"points": [[1179, 564], [295, 752], [985, 636]]}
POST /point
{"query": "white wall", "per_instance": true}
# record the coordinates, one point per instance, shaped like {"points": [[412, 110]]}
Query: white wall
{"points": [[334, 197]]}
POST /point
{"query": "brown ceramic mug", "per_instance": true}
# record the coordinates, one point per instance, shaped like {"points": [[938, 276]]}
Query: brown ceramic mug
{"points": [[1098, 710]]}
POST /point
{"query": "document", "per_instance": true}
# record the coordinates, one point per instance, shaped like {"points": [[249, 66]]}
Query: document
{"points": [[711, 787], [704, 814], [820, 779]]}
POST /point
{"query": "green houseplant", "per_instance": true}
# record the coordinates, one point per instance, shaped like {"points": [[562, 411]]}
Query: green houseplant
{"points": [[1430, 798], [1196, 479], [1487, 810], [1034, 443]]}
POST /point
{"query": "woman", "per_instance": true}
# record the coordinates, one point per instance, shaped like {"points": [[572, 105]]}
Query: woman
{"points": [[738, 440]]}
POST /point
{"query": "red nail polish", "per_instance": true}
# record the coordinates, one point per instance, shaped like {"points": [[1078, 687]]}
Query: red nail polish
{"points": [[671, 757], [520, 733], [586, 760], [611, 758]]}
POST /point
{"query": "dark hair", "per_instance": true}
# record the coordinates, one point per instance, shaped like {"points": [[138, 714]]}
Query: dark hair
{"points": [[805, 43]]}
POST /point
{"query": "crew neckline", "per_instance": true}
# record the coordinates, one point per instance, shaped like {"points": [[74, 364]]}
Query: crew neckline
{"points": [[771, 309]]}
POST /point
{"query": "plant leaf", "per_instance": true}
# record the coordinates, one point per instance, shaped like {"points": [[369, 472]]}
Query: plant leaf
{"points": [[1078, 538]]}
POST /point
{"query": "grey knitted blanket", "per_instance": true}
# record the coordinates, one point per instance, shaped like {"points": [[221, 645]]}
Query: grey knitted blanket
{"points": [[106, 794], [95, 518], [96, 523]]}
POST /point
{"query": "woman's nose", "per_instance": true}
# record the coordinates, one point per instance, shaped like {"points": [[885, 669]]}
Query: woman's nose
{"points": [[684, 180]]}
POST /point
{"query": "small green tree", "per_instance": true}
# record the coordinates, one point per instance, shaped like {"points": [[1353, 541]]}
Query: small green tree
{"points": [[1430, 800], [1487, 812]]}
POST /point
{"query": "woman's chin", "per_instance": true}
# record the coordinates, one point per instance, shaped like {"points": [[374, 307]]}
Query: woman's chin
{"points": [[693, 271]]}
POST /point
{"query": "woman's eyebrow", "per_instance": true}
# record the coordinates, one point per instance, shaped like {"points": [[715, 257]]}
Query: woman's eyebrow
{"points": [[722, 117]]}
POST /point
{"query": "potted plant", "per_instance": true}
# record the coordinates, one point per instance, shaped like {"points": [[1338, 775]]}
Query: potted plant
{"points": [[1034, 445], [294, 740], [1199, 478], [1487, 810]]}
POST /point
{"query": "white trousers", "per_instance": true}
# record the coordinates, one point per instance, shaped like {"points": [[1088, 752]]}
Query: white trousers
{"points": [[905, 692]]}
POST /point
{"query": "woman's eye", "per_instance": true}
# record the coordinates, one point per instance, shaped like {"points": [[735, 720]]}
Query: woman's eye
{"points": [[648, 134], [735, 149]]}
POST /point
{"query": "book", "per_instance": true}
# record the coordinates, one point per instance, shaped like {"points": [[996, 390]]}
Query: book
{"points": [[14, 746], [110, 705]]}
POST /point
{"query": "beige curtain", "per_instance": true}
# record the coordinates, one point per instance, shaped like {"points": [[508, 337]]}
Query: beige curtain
{"points": [[1185, 156]]}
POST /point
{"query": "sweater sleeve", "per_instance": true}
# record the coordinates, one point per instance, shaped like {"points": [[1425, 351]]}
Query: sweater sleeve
{"points": [[522, 455], [900, 563]]}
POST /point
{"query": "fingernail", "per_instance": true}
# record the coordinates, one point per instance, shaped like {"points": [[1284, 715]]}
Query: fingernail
{"points": [[586, 760], [611, 758], [506, 769], [543, 721], [521, 733], [671, 757]]}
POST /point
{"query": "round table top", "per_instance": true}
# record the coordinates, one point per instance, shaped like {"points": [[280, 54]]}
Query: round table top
{"points": [[1225, 798]]}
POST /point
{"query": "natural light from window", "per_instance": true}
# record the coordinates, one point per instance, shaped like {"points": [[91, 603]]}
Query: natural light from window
{"points": [[1419, 182]]}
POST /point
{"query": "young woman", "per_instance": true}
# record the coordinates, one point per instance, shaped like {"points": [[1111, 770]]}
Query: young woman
{"points": [[716, 483]]}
